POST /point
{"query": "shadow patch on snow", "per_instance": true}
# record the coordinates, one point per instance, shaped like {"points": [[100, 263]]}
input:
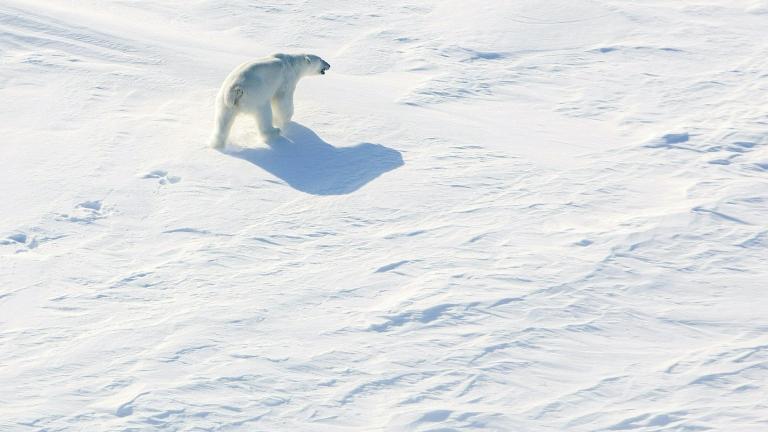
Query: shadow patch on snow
{"points": [[669, 140], [308, 164]]}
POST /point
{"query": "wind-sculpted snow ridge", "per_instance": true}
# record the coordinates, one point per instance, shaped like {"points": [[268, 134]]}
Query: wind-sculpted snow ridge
{"points": [[532, 215]]}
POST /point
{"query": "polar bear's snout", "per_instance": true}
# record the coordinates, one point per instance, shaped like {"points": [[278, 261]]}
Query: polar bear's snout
{"points": [[315, 65]]}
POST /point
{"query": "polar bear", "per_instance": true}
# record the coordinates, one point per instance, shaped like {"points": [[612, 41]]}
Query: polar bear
{"points": [[263, 88]]}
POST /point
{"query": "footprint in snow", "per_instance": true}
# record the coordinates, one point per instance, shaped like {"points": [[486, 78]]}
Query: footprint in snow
{"points": [[20, 240], [24, 242], [162, 177], [85, 212]]}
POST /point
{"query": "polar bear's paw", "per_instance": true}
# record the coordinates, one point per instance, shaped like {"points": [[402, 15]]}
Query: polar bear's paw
{"points": [[271, 133], [217, 144]]}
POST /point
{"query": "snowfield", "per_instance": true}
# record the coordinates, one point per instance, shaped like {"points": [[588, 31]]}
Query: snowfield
{"points": [[531, 215]]}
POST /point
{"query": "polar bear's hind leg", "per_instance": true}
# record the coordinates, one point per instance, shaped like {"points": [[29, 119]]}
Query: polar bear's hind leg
{"points": [[225, 116], [226, 110]]}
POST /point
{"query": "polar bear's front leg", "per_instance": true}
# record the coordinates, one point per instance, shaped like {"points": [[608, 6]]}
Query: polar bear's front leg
{"points": [[282, 108], [264, 121]]}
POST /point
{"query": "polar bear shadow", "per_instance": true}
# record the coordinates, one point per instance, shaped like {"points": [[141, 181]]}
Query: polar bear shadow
{"points": [[308, 164]]}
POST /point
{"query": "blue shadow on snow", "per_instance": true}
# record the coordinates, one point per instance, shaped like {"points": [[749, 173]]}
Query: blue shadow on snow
{"points": [[311, 165]]}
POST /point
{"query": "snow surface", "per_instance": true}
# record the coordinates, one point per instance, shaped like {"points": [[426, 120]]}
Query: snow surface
{"points": [[539, 215]]}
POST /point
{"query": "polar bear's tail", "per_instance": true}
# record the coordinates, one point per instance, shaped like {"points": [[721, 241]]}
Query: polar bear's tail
{"points": [[226, 109], [233, 96]]}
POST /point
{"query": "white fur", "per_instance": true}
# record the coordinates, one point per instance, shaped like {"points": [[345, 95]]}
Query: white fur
{"points": [[263, 88]]}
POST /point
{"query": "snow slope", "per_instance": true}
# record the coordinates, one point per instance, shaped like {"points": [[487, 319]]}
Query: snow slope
{"points": [[498, 216]]}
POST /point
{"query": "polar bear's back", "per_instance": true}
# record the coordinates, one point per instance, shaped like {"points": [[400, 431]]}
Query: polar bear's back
{"points": [[256, 72], [257, 81]]}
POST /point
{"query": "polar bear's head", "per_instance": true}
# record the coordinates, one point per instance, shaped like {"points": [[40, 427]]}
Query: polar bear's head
{"points": [[314, 65]]}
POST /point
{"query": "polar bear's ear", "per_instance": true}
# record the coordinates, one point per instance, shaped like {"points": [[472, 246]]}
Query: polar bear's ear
{"points": [[308, 60]]}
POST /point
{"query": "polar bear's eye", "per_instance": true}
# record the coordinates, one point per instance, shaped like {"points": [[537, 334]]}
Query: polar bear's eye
{"points": [[307, 59]]}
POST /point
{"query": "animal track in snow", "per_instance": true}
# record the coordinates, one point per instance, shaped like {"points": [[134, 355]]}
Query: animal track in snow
{"points": [[14, 239], [162, 177], [24, 242], [86, 212], [20, 239]]}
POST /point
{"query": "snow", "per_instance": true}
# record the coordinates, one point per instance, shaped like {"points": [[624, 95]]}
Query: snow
{"points": [[498, 216]]}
